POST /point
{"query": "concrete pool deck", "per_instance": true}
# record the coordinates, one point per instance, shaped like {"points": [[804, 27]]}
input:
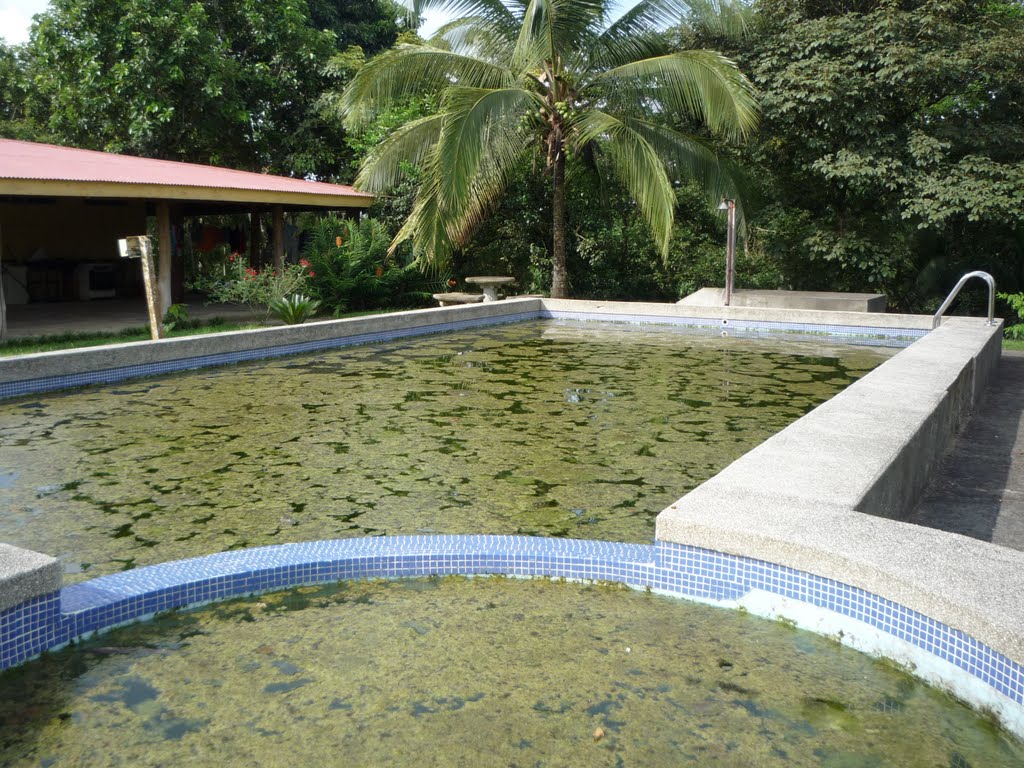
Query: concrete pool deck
{"points": [[978, 489], [108, 316]]}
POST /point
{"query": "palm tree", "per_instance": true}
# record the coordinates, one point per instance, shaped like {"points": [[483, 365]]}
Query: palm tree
{"points": [[520, 77]]}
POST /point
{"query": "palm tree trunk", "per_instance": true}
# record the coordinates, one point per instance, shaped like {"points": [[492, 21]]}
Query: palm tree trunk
{"points": [[559, 275]]}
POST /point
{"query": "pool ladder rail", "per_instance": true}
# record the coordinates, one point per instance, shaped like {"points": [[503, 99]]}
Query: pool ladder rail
{"points": [[989, 280]]}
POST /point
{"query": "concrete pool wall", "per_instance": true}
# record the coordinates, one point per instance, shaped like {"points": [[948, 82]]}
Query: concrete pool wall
{"points": [[782, 531]]}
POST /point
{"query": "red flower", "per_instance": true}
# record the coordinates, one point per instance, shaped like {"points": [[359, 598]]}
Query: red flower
{"points": [[304, 263], [232, 257], [312, 273]]}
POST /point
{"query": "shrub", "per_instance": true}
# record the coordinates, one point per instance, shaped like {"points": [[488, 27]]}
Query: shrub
{"points": [[243, 284], [354, 270], [295, 309]]}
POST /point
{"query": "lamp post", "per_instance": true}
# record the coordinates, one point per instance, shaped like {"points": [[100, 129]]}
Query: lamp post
{"points": [[730, 248]]}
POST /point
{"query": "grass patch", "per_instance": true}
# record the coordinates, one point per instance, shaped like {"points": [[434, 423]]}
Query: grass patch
{"points": [[1014, 345]]}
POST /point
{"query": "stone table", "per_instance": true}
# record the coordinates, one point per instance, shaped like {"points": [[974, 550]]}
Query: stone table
{"points": [[489, 285]]}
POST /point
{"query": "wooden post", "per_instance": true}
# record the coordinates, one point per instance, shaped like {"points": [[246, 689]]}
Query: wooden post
{"points": [[141, 247], [165, 257], [279, 238], [153, 290]]}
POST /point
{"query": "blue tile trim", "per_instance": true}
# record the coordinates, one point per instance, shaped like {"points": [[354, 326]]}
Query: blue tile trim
{"points": [[81, 609], [860, 335]]}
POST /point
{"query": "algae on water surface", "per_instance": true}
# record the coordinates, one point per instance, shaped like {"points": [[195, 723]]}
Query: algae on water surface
{"points": [[479, 672], [552, 429]]}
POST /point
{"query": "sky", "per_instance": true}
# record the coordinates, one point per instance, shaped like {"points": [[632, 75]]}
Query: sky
{"points": [[16, 18]]}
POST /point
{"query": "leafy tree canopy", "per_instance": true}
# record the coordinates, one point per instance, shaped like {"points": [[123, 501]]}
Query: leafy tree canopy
{"points": [[894, 134], [230, 82], [370, 24]]}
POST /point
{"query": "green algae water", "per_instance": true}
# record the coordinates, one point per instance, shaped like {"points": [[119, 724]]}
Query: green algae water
{"points": [[479, 672], [543, 428]]}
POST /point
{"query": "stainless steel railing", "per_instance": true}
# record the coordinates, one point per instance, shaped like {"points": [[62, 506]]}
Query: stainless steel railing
{"points": [[989, 280]]}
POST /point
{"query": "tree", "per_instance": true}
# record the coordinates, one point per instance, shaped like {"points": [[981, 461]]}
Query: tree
{"points": [[14, 94], [370, 24], [892, 141], [229, 82], [551, 78]]}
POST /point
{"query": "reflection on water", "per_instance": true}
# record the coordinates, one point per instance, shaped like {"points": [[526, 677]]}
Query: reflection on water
{"points": [[550, 429], [479, 672]]}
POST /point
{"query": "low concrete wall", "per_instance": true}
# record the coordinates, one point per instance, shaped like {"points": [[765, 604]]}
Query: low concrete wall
{"points": [[25, 575], [46, 364], [822, 300], [641, 311], [800, 498]]}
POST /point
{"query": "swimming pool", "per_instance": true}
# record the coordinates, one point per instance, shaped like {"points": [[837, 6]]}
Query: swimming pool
{"points": [[776, 549], [549, 428]]}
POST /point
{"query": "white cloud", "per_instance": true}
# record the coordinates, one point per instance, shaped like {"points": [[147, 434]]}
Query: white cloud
{"points": [[16, 18]]}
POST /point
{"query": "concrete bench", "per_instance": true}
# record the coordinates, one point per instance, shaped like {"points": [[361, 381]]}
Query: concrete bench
{"points": [[453, 298]]}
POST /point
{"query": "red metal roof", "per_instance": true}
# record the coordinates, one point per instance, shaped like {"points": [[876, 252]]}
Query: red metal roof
{"points": [[46, 162]]}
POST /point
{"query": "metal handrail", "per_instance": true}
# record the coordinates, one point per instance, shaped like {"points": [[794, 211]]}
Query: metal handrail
{"points": [[989, 280]]}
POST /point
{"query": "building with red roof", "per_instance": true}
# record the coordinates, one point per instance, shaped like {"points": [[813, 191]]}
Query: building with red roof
{"points": [[62, 211]]}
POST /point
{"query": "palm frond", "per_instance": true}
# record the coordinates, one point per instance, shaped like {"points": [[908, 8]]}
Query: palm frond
{"points": [[411, 144], [425, 225], [637, 164], [727, 19], [692, 158], [702, 84], [476, 36], [555, 28], [408, 70], [478, 122], [505, 12]]}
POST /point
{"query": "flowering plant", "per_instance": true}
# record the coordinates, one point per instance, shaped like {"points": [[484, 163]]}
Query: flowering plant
{"points": [[244, 284]]}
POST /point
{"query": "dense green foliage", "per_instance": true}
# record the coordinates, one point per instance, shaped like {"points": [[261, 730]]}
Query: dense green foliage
{"points": [[892, 146], [354, 271], [890, 155], [229, 82]]}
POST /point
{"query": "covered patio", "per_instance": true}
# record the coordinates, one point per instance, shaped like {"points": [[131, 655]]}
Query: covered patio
{"points": [[62, 211]]}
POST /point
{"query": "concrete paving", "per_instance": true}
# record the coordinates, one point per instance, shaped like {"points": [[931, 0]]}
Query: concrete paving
{"points": [[106, 315], [978, 489]]}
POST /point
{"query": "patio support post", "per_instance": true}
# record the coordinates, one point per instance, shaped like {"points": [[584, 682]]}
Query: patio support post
{"points": [[165, 256], [278, 238], [254, 239], [3, 301]]}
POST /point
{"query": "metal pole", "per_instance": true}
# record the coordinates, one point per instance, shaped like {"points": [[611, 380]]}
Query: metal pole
{"points": [[730, 251]]}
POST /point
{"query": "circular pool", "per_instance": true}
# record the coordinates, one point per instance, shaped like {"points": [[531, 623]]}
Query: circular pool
{"points": [[485, 671]]}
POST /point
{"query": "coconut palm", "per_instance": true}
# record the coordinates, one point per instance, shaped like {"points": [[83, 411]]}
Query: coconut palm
{"points": [[555, 77]]}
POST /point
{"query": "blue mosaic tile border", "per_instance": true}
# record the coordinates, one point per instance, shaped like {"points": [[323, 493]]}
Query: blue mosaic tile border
{"points": [[859, 335], [686, 571]]}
